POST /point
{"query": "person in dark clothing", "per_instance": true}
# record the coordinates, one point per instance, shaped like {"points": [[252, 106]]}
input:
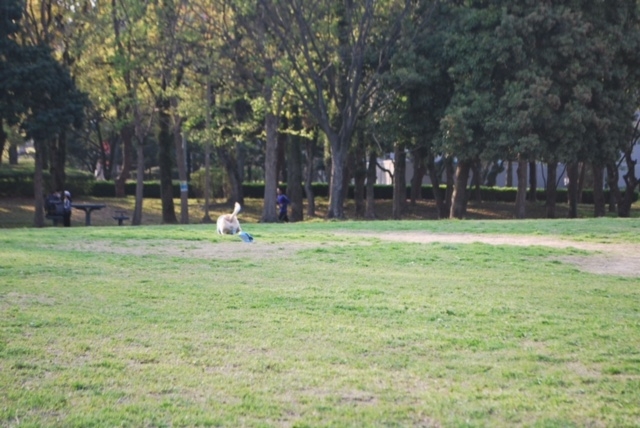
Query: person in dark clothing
{"points": [[53, 204], [66, 208], [283, 202]]}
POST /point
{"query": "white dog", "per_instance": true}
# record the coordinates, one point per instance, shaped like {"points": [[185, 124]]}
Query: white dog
{"points": [[228, 224]]}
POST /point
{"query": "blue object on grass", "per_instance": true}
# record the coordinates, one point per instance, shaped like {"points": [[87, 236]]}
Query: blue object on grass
{"points": [[246, 237]]}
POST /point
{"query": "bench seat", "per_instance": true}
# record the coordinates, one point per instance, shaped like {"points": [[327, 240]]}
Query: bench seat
{"points": [[55, 218], [120, 217]]}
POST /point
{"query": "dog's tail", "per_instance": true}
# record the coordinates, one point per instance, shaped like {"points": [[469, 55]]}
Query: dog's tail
{"points": [[236, 209]]}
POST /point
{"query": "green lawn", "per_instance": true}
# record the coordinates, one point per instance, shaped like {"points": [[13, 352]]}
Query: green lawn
{"points": [[317, 324]]}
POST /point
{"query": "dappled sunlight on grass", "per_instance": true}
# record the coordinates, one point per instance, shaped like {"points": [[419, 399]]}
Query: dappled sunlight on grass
{"points": [[18, 212]]}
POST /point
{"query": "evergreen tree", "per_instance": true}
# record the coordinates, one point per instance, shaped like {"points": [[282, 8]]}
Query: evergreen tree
{"points": [[10, 14]]}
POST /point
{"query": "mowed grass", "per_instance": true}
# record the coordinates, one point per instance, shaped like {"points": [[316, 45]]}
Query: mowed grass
{"points": [[315, 325]]}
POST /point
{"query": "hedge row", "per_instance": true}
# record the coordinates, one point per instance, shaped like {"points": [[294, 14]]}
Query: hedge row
{"points": [[489, 194], [17, 185], [20, 184]]}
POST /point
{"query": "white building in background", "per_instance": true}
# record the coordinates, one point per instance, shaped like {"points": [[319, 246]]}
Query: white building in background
{"points": [[383, 177]]}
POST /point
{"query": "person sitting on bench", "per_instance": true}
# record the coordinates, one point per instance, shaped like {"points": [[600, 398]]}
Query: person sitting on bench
{"points": [[66, 209]]}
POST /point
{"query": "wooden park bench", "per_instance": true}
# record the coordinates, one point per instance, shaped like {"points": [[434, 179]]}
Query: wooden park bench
{"points": [[55, 218], [120, 216], [54, 211]]}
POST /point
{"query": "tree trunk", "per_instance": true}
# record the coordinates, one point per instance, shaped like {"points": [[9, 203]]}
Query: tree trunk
{"points": [[327, 164], [347, 175], [137, 210], [370, 211], [572, 192], [360, 174], [165, 162], [399, 181], [336, 187], [310, 174], [269, 214], [234, 190], [340, 134], [140, 135], [419, 171], [281, 163], [3, 139], [581, 180], [509, 174], [631, 182], [476, 168], [126, 134], [435, 186], [459, 197], [552, 189], [57, 156], [110, 148], [450, 174], [614, 190], [294, 170], [598, 193], [241, 161], [533, 182], [521, 195], [206, 218], [180, 144], [38, 188], [103, 162], [13, 154]]}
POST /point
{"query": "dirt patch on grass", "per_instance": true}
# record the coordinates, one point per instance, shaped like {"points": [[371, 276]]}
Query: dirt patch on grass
{"points": [[608, 259], [25, 300], [194, 249]]}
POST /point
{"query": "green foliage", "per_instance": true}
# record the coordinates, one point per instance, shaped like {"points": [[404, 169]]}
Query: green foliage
{"points": [[478, 75], [492, 80], [197, 183], [10, 15], [18, 182], [152, 189], [543, 80], [418, 84], [47, 93]]}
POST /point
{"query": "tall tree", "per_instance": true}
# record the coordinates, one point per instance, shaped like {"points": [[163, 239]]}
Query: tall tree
{"points": [[10, 108], [217, 69], [420, 77], [170, 18], [256, 58], [294, 165], [53, 104], [336, 52], [50, 23], [567, 77], [36, 91], [616, 29], [477, 76]]}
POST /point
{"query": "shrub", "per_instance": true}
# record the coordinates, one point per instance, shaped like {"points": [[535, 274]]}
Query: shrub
{"points": [[197, 183], [19, 183]]}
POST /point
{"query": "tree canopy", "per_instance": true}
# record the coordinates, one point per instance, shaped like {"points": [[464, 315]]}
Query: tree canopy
{"points": [[465, 82]]}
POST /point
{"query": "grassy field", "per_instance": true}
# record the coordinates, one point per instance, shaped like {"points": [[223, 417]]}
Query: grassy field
{"points": [[321, 324]]}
